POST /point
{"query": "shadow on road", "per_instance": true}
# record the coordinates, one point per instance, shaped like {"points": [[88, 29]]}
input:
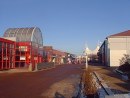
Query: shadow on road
{"points": [[58, 95]]}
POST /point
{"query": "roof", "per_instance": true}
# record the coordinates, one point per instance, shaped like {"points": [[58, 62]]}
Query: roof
{"points": [[32, 34], [51, 51], [47, 47], [6, 40], [58, 52], [125, 33], [89, 52]]}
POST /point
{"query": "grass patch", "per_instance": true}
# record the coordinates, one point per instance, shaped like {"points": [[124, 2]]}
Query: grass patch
{"points": [[90, 88]]}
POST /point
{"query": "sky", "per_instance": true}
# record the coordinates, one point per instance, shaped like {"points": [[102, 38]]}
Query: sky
{"points": [[67, 25]]}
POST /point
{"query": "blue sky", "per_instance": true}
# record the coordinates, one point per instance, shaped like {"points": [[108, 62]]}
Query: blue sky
{"points": [[67, 24]]}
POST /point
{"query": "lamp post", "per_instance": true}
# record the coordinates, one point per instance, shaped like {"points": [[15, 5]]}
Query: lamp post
{"points": [[86, 61], [86, 56]]}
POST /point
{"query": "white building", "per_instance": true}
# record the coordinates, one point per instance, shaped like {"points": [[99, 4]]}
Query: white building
{"points": [[92, 54], [114, 47]]}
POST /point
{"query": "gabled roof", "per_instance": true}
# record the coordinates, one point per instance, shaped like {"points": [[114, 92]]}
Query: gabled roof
{"points": [[125, 33]]}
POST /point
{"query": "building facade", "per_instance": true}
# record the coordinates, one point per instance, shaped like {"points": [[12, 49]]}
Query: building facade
{"points": [[26, 48], [114, 48], [92, 54], [53, 55], [7, 54]]}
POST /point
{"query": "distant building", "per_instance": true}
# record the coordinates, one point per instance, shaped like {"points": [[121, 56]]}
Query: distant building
{"points": [[92, 54], [47, 53], [53, 55], [114, 47], [59, 56]]}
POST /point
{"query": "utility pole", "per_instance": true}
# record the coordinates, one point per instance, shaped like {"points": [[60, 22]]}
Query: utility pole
{"points": [[86, 55]]}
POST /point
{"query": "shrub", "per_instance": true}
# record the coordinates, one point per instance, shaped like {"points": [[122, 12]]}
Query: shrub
{"points": [[125, 67], [125, 59], [90, 88], [125, 63]]}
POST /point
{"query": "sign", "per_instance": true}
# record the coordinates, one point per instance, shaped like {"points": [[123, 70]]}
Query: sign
{"points": [[22, 58]]}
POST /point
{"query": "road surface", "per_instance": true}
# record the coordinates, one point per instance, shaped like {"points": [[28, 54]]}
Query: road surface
{"points": [[59, 82]]}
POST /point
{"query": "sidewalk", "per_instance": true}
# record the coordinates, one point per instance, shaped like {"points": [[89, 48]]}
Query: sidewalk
{"points": [[17, 70], [112, 79]]}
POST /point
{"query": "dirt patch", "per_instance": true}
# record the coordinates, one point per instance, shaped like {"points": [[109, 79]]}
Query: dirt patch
{"points": [[66, 88]]}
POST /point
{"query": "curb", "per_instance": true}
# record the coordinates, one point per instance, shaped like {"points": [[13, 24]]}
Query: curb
{"points": [[123, 75], [103, 84]]}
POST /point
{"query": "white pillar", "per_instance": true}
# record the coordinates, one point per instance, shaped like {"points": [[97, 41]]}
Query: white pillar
{"points": [[86, 55], [86, 61]]}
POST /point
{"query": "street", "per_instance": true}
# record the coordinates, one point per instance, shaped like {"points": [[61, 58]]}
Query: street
{"points": [[52, 83]]}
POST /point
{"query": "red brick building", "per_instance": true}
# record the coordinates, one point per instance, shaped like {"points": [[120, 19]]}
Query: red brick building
{"points": [[53, 55]]}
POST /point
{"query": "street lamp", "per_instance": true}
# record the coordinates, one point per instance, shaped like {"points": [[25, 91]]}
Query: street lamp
{"points": [[86, 56]]}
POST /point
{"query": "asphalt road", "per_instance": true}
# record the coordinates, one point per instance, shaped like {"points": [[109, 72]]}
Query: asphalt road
{"points": [[36, 84]]}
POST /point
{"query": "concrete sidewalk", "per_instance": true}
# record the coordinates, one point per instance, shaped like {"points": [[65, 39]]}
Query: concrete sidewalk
{"points": [[112, 79], [17, 70]]}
